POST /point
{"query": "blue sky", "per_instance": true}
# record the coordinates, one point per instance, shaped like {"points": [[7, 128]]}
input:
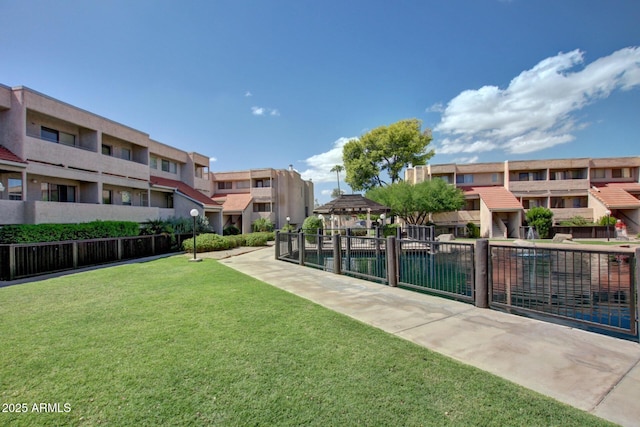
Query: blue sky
{"points": [[271, 83]]}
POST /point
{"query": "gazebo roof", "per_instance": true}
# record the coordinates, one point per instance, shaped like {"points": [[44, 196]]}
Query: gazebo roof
{"points": [[349, 204]]}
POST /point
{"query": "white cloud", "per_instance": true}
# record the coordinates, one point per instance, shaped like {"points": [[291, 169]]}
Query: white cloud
{"points": [[463, 160], [248, 94], [212, 159], [536, 111], [263, 111], [257, 111], [319, 165]]}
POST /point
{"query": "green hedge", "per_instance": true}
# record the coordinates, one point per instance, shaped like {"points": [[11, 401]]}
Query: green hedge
{"points": [[214, 242], [34, 233]]}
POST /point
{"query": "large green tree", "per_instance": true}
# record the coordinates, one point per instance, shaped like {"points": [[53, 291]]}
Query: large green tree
{"points": [[386, 149], [414, 203]]}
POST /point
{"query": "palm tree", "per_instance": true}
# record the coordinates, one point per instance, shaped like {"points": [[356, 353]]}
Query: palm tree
{"points": [[337, 169]]}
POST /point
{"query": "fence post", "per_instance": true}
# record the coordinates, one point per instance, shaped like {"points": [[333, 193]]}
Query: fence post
{"points": [[636, 281], [120, 251], [74, 252], [482, 276], [392, 261], [12, 262], [300, 248], [277, 245], [153, 244], [337, 255], [348, 248]]}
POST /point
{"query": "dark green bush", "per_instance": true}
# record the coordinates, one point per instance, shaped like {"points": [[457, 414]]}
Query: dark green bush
{"points": [[231, 230], [34, 233], [390, 230], [473, 230]]}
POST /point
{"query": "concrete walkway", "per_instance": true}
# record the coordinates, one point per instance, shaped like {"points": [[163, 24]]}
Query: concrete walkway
{"points": [[593, 372]]}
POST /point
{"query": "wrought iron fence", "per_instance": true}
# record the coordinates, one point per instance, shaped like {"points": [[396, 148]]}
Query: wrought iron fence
{"points": [[32, 259], [364, 257], [595, 288], [442, 268]]}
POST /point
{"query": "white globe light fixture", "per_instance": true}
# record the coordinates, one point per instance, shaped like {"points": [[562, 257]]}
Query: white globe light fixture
{"points": [[194, 213]]}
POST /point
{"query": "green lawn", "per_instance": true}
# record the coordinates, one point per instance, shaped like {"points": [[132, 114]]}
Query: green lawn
{"points": [[169, 342]]}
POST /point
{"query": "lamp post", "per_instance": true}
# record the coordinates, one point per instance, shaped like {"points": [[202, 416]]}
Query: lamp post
{"points": [[288, 219], [608, 212], [194, 213]]}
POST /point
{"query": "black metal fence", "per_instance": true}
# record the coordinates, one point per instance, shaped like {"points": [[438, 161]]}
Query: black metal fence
{"points": [[447, 269], [32, 259], [594, 289]]}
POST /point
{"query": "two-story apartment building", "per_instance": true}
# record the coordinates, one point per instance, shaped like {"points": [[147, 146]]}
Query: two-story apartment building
{"points": [[276, 194], [62, 164], [498, 194]]}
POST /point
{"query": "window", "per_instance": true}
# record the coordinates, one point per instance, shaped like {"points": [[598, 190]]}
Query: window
{"points": [[106, 197], [144, 198], [621, 173], [260, 183], [168, 166], [106, 150], [597, 173], [170, 201], [15, 189], [262, 207], [125, 153], [58, 193], [126, 198], [557, 202], [49, 134], [153, 162], [464, 179], [57, 136], [495, 177], [224, 185], [243, 184]]}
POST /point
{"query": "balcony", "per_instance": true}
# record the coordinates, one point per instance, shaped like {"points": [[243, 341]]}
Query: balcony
{"points": [[12, 212], [59, 154], [60, 213], [549, 185]]}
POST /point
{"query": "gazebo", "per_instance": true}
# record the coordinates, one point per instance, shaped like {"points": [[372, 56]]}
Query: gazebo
{"points": [[351, 204]]}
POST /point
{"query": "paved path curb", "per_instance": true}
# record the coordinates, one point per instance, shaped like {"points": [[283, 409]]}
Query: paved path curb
{"points": [[593, 372]]}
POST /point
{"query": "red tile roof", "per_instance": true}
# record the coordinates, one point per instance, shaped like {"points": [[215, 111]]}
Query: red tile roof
{"points": [[498, 198], [233, 202], [7, 155], [184, 189], [615, 198], [626, 186]]}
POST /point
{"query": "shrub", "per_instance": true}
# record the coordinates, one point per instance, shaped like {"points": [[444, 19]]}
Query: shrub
{"points": [[256, 239], [473, 230], [541, 219], [231, 230], [34, 233], [390, 230], [610, 219], [575, 221], [207, 242], [311, 225], [262, 224], [288, 228]]}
